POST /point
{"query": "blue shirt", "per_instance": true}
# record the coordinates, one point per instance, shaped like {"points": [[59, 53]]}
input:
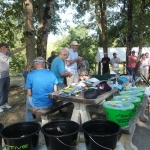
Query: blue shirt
{"points": [[58, 67], [41, 82]]}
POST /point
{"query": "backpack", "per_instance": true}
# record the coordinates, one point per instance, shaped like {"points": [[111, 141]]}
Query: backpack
{"points": [[91, 94], [103, 87]]}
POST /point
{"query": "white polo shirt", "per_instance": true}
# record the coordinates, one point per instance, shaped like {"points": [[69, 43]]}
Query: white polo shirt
{"points": [[73, 67], [4, 65]]}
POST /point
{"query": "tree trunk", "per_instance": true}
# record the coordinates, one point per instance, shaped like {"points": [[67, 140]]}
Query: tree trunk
{"points": [[130, 28], [102, 5], [45, 19], [140, 29], [29, 32]]}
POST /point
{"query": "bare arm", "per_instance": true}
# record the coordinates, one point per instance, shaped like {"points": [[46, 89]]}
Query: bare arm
{"points": [[55, 88], [19, 49], [29, 92], [66, 74]]}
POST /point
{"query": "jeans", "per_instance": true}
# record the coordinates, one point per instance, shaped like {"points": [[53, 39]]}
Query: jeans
{"points": [[29, 116], [4, 90], [131, 72]]}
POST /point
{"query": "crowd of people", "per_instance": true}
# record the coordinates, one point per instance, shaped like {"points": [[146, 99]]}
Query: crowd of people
{"points": [[67, 65], [132, 61]]}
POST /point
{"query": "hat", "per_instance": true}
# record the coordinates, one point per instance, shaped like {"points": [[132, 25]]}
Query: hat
{"points": [[74, 43], [39, 59], [3, 44]]}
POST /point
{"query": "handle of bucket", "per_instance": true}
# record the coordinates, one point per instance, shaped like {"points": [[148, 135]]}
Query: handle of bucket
{"points": [[99, 144], [64, 143]]}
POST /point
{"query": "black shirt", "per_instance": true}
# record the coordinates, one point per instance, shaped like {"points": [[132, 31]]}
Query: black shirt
{"points": [[107, 59]]}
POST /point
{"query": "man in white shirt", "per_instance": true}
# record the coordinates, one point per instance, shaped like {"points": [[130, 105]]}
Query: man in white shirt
{"points": [[115, 61], [71, 63], [4, 73]]}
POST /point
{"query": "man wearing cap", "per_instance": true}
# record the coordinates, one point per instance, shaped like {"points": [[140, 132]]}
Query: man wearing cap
{"points": [[105, 62], [40, 82], [4, 74], [132, 60], [58, 67], [115, 61], [71, 63]]}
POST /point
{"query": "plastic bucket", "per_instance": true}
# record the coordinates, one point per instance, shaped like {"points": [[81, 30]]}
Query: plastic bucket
{"points": [[21, 136], [1, 128], [118, 111], [100, 134], [133, 93], [61, 134], [141, 89], [134, 100]]}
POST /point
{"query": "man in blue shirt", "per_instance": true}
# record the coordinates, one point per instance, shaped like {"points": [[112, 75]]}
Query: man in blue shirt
{"points": [[58, 67], [39, 84]]}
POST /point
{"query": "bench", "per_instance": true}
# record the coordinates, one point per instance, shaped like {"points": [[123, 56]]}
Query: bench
{"points": [[43, 113]]}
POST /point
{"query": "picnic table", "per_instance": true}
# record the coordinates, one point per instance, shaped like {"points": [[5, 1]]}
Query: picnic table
{"points": [[81, 112]]}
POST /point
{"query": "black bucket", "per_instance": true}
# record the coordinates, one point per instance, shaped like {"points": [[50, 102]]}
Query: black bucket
{"points": [[100, 134], [61, 134], [22, 136], [1, 128]]}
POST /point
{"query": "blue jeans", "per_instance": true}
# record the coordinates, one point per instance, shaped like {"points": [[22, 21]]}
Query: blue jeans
{"points": [[131, 72], [29, 116], [4, 90]]}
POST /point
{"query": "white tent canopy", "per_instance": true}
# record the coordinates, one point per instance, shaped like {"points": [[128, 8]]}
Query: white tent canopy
{"points": [[121, 52]]}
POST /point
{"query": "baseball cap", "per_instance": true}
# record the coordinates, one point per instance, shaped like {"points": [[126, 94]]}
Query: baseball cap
{"points": [[39, 59], [4, 44], [74, 43]]}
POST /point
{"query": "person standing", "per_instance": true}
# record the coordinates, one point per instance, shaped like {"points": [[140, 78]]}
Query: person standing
{"points": [[4, 74], [40, 82], [132, 60], [105, 62], [50, 59], [85, 63], [58, 67], [144, 66], [71, 63], [115, 61]]}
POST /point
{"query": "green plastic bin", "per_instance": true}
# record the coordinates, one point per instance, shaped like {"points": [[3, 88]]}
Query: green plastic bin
{"points": [[134, 100], [141, 89], [118, 111], [133, 93]]}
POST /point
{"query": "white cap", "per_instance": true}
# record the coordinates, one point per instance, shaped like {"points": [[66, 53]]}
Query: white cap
{"points": [[39, 59], [74, 43]]}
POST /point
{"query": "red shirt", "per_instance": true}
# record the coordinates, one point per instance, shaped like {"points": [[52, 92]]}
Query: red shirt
{"points": [[131, 61]]}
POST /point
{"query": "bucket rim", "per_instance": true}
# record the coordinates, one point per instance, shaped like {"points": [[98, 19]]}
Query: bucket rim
{"points": [[20, 123], [119, 128], [60, 136]]}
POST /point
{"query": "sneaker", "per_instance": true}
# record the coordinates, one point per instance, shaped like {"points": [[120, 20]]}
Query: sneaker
{"points": [[6, 106], [1, 109]]}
